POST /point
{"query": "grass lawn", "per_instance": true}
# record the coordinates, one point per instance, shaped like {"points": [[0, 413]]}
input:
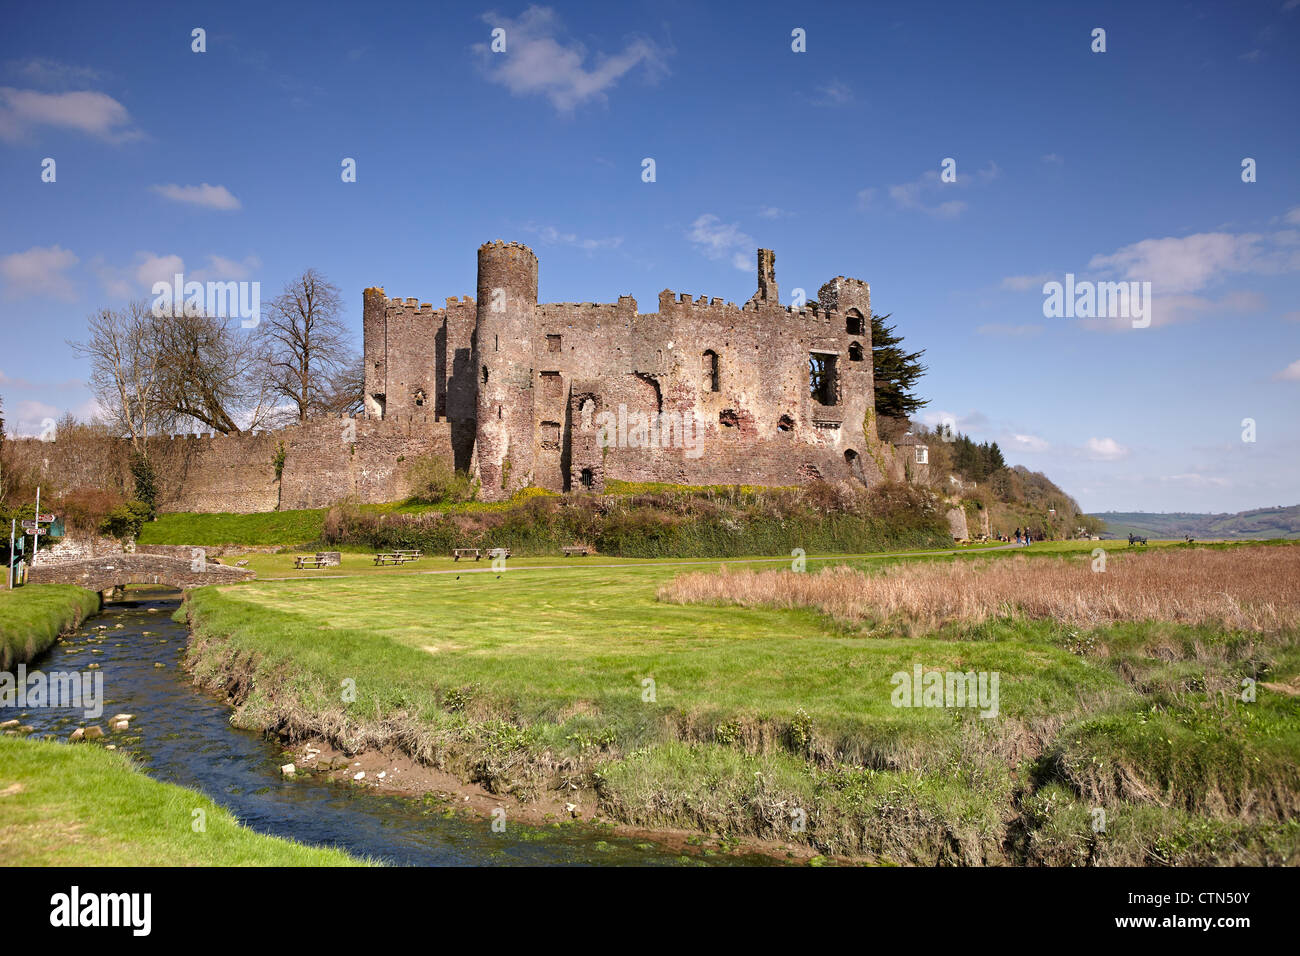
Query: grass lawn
{"points": [[80, 805], [33, 616], [539, 679]]}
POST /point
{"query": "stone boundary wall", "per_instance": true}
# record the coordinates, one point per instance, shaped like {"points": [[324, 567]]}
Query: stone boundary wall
{"points": [[325, 460]]}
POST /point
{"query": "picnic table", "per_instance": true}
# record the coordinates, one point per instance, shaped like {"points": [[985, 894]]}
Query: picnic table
{"points": [[308, 561], [409, 554], [458, 553], [387, 558], [498, 552]]}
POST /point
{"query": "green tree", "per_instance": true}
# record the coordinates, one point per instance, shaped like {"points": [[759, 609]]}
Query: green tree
{"points": [[146, 482], [896, 372]]}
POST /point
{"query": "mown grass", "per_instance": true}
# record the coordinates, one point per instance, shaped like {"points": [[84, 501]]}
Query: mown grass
{"points": [[255, 530], [80, 805], [33, 616], [536, 680]]}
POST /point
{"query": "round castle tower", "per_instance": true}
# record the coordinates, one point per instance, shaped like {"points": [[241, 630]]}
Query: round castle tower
{"points": [[506, 434]]}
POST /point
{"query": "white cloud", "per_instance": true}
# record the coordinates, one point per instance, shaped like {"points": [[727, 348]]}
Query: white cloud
{"points": [[151, 268], [87, 111], [1291, 373], [1054, 158], [834, 93], [52, 73], [538, 62], [39, 271], [921, 193], [226, 270], [1105, 449], [1025, 283], [1011, 331], [1028, 443], [29, 418], [1195, 480], [1293, 214], [552, 236], [213, 197], [1189, 264], [719, 240]]}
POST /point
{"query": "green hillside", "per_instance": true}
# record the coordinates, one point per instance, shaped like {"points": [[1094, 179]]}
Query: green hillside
{"points": [[1258, 523]]}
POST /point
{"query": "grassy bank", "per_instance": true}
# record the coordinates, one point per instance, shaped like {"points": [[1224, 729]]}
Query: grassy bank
{"points": [[32, 617], [647, 521], [739, 720], [80, 805]]}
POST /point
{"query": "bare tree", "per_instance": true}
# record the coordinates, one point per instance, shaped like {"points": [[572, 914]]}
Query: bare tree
{"points": [[125, 372], [308, 346], [346, 389], [210, 372]]}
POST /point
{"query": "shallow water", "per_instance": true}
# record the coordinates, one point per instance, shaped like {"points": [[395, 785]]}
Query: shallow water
{"points": [[181, 735]]}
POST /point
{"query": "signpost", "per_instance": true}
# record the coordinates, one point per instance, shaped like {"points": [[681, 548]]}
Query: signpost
{"points": [[13, 527]]}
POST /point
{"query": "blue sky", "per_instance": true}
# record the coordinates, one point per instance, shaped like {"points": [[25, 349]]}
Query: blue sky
{"points": [[1122, 165]]}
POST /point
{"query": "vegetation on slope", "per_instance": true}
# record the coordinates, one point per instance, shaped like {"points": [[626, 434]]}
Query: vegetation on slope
{"points": [[33, 616]]}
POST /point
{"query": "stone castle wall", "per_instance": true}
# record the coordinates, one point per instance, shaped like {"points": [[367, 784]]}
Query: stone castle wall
{"points": [[539, 374], [325, 460]]}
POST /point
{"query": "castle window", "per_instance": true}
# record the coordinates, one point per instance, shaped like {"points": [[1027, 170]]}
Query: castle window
{"points": [[419, 397], [785, 423], [551, 386], [552, 343], [853, 322], [551, 435], [823, 386], [729, 418], [710, 369], [922, 455], [855, 352], [588, 478], [484, 374], [496, 345]]}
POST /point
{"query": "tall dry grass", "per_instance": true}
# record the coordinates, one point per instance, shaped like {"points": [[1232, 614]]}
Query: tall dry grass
{"points": [[1252, 589]]}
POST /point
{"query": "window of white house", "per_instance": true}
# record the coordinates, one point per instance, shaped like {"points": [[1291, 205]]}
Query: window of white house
{"points": [[922, 455]]}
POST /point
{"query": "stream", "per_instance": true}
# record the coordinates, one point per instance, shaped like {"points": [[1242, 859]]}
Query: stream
{"points": [[182, 735]]}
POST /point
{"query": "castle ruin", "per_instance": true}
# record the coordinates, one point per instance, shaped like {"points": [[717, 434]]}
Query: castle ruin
{"points": [[567, 396]]}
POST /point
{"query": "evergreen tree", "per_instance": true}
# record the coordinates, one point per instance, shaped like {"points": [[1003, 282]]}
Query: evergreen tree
{"points": [[896, 372], [146, 482]]}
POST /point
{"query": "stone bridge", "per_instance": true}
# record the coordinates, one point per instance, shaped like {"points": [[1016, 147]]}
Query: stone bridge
{"points": [[106, 572]]}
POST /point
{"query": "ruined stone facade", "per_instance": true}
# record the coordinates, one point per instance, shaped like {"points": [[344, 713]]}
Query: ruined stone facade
{"points": [[568, 396]]}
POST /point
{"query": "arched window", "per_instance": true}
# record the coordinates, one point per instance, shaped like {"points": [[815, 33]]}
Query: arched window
{"points": [[855, 352], [710, 369], [853, 322]]}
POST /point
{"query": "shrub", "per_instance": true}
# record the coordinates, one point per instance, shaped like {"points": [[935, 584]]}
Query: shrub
{"points": [[435, 481]]}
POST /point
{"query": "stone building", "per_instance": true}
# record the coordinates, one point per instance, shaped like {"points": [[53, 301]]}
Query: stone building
{"points": [[570, 395]]}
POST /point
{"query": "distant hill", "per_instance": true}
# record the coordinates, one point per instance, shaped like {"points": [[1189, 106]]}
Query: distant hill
{"points": [[1259, 523]]}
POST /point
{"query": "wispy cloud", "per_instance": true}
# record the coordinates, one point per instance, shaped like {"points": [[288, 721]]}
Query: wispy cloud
{"points": [[553, 237], [1001, 330], [85, 111], [41, 270], [834, 93], [719, 240], [922, 194], [1104, 449], [1291, 373], [52, 73], [539, 62], [211, 197]]}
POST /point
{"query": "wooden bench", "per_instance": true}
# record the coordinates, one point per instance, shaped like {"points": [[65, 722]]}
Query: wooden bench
{"points": [[498, 552], [576, 549], [387, 559], [458, 553], [307, 561]]}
